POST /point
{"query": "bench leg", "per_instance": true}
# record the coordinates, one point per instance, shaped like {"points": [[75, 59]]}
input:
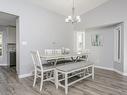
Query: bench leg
{"points": [[56, 79], [66, 84], [93, 72]]}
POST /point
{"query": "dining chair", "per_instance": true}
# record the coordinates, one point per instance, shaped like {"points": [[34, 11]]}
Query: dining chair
{"points": [[49, 51], [58, 51], [46, 73], [85, 57]]}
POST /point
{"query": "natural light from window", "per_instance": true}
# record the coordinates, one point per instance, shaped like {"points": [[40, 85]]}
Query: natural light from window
{"points": [[80, 41]]}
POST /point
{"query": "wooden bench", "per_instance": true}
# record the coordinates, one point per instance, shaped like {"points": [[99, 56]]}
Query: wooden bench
{"points": [[69, 74]]}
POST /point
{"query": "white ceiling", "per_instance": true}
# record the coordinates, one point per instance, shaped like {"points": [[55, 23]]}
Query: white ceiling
{"points": [[63, 7], [7, 19]]}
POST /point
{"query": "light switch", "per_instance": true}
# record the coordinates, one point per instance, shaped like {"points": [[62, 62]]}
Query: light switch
{"points": [[24, 43]]}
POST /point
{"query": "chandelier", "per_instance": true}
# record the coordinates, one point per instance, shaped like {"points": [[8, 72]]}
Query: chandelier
{"points": [[73, 19]]}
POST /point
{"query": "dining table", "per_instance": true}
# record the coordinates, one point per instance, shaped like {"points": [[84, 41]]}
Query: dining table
{"points": [[73, 56]]}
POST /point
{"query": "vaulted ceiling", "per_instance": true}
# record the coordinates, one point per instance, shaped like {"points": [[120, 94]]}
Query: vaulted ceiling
{"points": [[64, 7]]}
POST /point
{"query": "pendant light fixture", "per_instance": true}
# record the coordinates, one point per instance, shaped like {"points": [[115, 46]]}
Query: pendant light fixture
{"points": [[73, 19]]}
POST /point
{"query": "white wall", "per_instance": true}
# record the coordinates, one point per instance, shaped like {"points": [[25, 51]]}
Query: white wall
{"points": [[101, 55], [38, 28], [111, 12]]}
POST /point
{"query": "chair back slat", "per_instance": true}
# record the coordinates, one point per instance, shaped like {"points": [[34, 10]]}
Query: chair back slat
{"points": [[49, 51], [36, 60], [58, 51]]}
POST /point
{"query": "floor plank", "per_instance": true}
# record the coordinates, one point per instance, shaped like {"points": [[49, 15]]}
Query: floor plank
{"points": [[105, 83]]}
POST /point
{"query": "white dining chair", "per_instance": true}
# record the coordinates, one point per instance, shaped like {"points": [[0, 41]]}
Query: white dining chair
{"points": [[87, 52], [46, 73], [49, 51], [58, 51]]}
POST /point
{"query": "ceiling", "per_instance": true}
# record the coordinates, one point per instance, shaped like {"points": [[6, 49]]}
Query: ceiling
{"points": [[64, 7], [7, 19]]}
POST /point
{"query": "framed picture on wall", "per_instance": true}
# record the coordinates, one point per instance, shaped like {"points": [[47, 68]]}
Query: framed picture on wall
{"points": [[97, 40]]}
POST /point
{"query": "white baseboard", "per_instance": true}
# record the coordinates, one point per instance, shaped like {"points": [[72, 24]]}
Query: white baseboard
{"points": [[105, 68], [25, 75], [125, 74], [119, 72], [111, 69], [3, 64]]}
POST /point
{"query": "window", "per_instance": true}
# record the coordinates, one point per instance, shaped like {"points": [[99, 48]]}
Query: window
{"points": [[1, 44], [80, 41]]}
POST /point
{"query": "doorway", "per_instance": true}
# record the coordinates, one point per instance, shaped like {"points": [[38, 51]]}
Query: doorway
{"points": [[11, 46], [8, 40]]}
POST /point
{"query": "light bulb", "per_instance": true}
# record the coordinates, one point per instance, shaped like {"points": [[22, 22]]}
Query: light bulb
{"points": [[69, 17], [78, 18], [66, 20]]}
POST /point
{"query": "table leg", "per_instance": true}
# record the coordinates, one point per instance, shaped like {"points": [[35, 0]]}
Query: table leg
{"points": [[76, 59], [55, 62], [66, 84], [72, 59]]}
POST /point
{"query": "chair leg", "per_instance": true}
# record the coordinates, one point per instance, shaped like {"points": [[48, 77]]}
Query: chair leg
{"points": [[66, 84], [41, 82], [35, 78], [93, 72]]}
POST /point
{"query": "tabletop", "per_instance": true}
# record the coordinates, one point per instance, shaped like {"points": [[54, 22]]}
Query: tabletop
{"points": [[57, 56]]}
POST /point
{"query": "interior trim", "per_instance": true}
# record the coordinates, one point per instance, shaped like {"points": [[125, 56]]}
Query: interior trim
{"points": [[111, 69]]}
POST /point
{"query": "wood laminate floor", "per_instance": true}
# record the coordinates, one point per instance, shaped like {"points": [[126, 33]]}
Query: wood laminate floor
{"points": [[105, 83]]}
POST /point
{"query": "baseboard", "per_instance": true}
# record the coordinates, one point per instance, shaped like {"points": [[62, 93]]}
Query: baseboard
{"points": [[111, 69], [125, 74], [105, 68], [3, 64], [25, 75], [119, 72]]}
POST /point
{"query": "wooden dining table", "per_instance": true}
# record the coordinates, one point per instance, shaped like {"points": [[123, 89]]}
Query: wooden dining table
{"points": [[55, 57]]}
